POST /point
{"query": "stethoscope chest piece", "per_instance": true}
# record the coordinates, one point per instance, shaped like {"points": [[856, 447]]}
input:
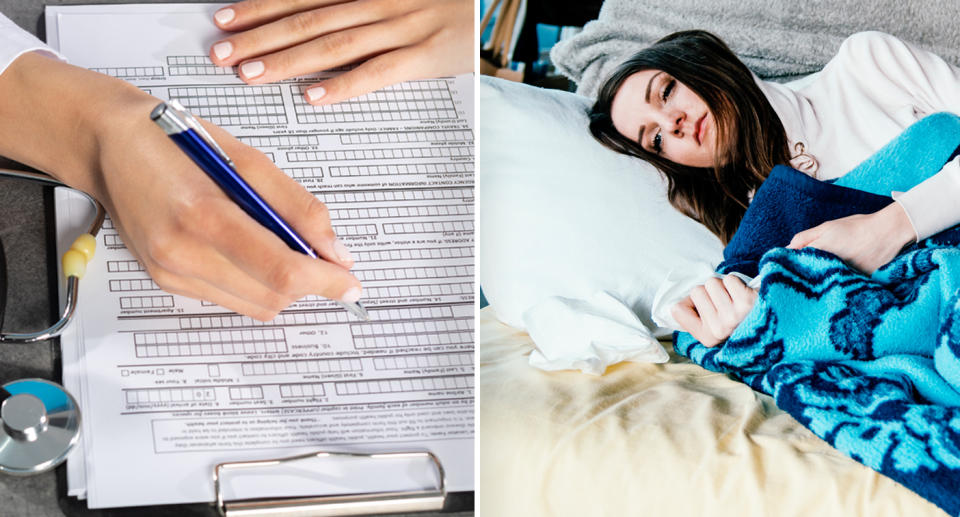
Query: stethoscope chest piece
{"points": [[39, 426]]}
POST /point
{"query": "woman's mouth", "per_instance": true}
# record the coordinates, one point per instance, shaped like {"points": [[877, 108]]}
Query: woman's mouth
{"points": [[700, 129]]}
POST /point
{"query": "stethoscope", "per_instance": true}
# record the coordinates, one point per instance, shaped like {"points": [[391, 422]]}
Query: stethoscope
{"points": [[39, 419]]}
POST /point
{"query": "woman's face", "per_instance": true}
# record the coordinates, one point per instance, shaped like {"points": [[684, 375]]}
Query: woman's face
{"points": [[665, 117]]}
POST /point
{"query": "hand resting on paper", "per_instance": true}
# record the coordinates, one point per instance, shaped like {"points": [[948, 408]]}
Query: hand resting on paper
{"points": [[97, 136], [713, 310], [399, 41]]}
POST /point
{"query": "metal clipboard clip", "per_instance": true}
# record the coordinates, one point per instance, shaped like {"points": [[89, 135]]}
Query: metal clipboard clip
{"points": [[332, 505]]}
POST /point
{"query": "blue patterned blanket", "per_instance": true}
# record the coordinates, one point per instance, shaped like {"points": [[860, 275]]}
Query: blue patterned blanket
{"points": [[869, 364]]}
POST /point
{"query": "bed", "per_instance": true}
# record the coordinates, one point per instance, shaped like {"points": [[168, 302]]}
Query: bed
{"points": [[653, 439], [642, 438]]}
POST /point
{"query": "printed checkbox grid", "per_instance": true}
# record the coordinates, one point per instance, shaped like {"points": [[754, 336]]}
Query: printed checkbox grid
{"points": [[401, 211], [146, 302], [413, 273], [406, 362], [304, 172], [404, 137], [384, 153], [131, 72], [428, 227], [394, 255], [233, 105], [355, 230], [374, 387], [413, 291], [164, 396], [124, 266], [280, 140], [412, 100], [397, 169], [452, 331], [302, 390], [196, 65], [246, 393], [464, 194], [209, 342], [133, 284]]}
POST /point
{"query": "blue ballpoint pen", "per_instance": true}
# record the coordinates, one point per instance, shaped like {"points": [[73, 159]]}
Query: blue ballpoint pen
{"points": [[200, 147]]}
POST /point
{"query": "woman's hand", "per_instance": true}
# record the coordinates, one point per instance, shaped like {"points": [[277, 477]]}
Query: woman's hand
{"points": [[713, 310], [191, 238], [400, 40], [195, 241], [865, 242]]}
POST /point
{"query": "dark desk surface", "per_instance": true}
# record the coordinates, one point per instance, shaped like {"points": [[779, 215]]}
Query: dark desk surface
{"points": [[23, 235]]}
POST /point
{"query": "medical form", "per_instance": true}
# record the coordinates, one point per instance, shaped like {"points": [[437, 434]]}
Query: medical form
{"points": [[171, 386]]}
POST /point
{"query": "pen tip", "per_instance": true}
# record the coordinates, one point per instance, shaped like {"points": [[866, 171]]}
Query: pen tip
{"points": [[356, 309]]}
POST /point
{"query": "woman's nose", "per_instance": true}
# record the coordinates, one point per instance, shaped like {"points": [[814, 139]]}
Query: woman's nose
{"points": [[678, 121], [673, 122]]}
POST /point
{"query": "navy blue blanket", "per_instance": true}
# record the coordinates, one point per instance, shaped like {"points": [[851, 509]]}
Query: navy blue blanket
{"points": [[871, 364]]}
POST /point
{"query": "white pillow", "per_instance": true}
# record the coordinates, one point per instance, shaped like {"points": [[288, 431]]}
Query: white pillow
{"points": [[560, 215]]}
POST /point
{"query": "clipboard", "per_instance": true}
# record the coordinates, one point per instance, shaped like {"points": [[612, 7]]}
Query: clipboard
{"points": [[121, 463], [434, 501]]}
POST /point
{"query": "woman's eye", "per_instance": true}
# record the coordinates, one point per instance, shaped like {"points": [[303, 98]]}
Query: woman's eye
{"points": [[668, 89], [657, 142]]}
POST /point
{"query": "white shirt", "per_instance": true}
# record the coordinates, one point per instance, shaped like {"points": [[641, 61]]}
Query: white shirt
{"points": [[15, 41], [873, 89]]}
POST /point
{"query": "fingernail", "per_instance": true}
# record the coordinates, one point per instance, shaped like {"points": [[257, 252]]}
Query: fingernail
{"points": [[224, 16], [223, 50], [352, 295], [316, 93], [342, 252], [252, 69]]}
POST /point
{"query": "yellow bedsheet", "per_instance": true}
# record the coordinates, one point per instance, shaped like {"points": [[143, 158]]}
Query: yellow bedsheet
{"points": [[653, 440]]}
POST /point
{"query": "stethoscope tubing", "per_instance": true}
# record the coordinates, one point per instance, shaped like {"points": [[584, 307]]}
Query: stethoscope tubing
{"points": [[73, 282]]}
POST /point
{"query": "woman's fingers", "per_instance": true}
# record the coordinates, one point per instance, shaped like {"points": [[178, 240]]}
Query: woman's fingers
{"points": [[804, 238], [400, 41], [260, 254], [252, 13], [707, 311], [299, 27], [236, 290], [713, 310], [201, 289], [742, 296], [330, 51], [373, 74], [686, 315], [718, 294]]}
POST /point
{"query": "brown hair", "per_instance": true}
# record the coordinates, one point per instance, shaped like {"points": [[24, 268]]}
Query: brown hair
{"points": [[751, 135]]}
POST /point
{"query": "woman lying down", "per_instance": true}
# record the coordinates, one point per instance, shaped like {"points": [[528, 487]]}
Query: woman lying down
{"points": [[841, 200]]}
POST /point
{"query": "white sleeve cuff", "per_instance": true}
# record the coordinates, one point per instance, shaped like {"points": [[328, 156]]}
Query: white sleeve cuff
{"points": [[14, 42], [932, 205]]}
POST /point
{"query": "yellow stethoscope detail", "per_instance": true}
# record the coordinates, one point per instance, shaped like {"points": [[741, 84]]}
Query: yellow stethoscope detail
{"points": [[74, 262]]}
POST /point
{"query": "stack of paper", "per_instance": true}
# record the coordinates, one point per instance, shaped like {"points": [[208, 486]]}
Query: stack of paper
{"points": [[170, 386]]}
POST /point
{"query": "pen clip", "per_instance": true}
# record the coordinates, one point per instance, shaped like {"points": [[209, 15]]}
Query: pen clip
{"points": [[190, 121]]}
